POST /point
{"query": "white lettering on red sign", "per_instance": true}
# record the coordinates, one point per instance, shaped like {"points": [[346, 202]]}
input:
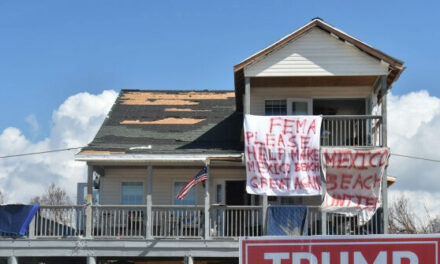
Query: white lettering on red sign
{"points": [[408, 249]]}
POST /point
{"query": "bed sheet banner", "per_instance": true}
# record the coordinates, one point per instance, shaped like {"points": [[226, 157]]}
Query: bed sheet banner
{"points": [[353, 180], [282, 155]]}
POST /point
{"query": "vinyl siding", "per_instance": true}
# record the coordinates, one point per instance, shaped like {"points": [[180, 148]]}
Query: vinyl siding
{"points": [[163, 181], [316, 53]]}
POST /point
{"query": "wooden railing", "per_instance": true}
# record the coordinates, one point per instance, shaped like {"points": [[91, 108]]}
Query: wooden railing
{"points": [[179, 221], [352, 130], [236, 221]]}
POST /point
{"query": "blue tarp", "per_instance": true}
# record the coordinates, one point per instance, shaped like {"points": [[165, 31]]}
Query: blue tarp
{"points": [[287, 220], [15, 218]]}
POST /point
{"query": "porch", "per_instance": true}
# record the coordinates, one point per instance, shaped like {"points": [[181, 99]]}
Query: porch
{"points": [[183, 222]]}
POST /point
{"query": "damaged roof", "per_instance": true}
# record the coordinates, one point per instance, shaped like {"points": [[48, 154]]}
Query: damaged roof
{"points": [[170, 122]]}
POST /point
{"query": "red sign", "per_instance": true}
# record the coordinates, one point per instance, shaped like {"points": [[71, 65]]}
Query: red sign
{"points": [[378, 249]]}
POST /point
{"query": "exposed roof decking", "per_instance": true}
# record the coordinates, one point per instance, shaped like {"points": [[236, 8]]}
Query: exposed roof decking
{"points": [[169, 122]]}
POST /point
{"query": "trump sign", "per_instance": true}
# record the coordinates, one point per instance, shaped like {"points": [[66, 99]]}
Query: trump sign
{"points": [[375, 249]]}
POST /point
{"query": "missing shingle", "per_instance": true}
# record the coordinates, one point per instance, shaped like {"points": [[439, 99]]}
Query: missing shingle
{"points": [[165, 121]]}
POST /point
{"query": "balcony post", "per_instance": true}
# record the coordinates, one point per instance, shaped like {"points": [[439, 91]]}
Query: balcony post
{"points": [[89, 201], [91, 260], [247, 96], [385, 144], [12, 260], [207, 201], [31, 231], [324, 191], [188, 260], [264, 220], [149, 201]]}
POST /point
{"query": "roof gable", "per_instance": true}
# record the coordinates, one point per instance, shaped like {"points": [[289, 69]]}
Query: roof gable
{"points": [[395, 66], [316, 53]]}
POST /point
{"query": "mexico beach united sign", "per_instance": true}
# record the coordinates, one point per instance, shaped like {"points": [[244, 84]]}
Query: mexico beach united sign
{"points": [[371, 249]]}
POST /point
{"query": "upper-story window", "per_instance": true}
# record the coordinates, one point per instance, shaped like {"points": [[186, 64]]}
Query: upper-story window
{"points": [[132, 193], [288, 107], [275, 107]]}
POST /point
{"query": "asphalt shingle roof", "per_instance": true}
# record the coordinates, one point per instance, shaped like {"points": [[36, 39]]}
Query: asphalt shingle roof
{"points": [[171, 122]]}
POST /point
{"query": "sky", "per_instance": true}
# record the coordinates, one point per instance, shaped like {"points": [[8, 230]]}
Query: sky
{"points": [[62, 64]]}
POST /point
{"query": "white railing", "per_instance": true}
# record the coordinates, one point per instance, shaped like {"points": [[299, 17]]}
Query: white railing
{"points": [[118, 220], [59, 221], [236, 221], [352, 130], [177, 221], [180, 221], [344, 225]]}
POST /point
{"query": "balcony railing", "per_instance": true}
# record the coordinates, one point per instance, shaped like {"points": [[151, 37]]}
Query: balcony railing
{"points": [[177, 221], [352, 130], [173, 221]]}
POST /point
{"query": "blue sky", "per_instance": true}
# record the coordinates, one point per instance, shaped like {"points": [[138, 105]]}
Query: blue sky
{"points": [[50, 50]]}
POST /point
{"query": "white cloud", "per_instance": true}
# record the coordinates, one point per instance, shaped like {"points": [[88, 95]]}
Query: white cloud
{"points": [[414, 125], [33, 123], [75, 123]]}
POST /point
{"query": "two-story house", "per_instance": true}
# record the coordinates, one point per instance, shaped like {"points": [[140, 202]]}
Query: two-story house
{"points": [[153, 142]]}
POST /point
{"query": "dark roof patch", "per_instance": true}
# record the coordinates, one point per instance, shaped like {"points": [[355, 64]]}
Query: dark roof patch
{"points": [[171, 122]]}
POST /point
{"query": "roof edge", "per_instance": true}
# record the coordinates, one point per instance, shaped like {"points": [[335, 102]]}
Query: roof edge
{"points": [[326, 27]]}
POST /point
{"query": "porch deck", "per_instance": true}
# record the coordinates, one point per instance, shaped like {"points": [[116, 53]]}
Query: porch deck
{"points": [[180, 222]]}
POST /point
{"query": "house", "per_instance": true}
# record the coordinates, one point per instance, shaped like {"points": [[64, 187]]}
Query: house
{"points": [[153, 142]]}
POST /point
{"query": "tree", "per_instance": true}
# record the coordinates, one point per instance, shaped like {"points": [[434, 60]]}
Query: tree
{"points": [[402, 221], [54, 195], [51, 213]]}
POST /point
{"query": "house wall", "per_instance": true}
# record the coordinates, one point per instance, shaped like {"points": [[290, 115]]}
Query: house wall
{"points": [[260, 94], [163, 181], [316, 53]]}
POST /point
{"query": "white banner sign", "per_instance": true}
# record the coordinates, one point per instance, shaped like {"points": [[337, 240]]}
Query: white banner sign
{"points": [[353, 180], [282, 155]]}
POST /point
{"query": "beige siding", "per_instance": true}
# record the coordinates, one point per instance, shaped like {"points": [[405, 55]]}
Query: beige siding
{"points": [[163, 181], [316, 53], [259, 94]]}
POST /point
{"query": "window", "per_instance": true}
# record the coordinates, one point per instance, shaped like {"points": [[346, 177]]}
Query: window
{"points": [[275, 107], [300, 108], [132, 193], [190, 198]]}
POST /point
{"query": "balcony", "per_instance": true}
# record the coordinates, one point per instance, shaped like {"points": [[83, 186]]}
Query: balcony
{"points": [[352, 131], [180, 222]]}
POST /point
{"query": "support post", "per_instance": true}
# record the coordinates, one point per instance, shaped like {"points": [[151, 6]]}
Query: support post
{"points": [[207, 201], [385, 144], [149, 201], [12, 260], [264, 220], [91, 260], [324, 192], [188, 260], [89, 201], [247, 95], [31, 231]]}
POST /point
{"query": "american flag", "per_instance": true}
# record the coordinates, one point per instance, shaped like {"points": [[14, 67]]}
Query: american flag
{"points": [[200, 177]]}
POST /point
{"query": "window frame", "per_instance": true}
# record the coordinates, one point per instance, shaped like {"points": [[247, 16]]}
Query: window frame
{"points": [[289, 102], [122, 191]]}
